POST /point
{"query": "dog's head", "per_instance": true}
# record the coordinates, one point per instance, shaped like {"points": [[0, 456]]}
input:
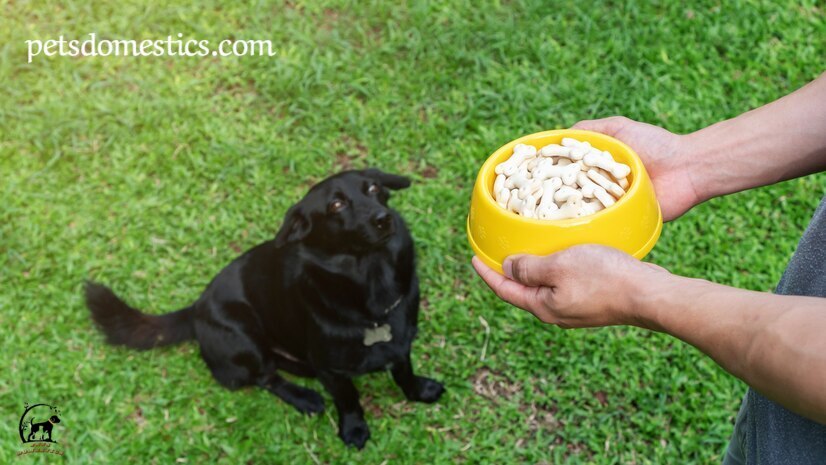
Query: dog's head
{"points": [[347, 211], [54, 419]]}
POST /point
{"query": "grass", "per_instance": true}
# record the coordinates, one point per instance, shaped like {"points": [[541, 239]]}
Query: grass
{"points": [[150, 174]]}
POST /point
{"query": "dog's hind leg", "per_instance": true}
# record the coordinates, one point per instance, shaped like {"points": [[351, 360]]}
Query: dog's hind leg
{"points": [[303, 399], [292, 365], [231, 356], [236, 353]]}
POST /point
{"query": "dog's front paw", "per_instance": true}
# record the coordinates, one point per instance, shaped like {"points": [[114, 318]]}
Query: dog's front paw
{"points": [[427, 390], [354, 431]]}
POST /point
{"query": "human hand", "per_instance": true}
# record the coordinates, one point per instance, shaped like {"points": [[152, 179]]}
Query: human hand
{"points": [[580, 287], [662, 153]]}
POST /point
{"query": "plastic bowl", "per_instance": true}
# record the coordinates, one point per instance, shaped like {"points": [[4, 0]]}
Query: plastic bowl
{"points": [[633, 224]]}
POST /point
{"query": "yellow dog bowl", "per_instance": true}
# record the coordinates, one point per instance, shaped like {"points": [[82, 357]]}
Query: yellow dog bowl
{"points": [[633, 224]]}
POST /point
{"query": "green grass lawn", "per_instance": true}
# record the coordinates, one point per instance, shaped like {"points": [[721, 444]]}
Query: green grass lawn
{"points": [[150, 174]]}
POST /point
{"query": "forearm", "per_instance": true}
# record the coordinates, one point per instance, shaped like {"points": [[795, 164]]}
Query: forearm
{"points": [[776, 344], [778, 141]]}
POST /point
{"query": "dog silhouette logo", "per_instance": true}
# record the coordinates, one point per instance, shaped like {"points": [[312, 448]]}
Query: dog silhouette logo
{"points": [[37, 424]]}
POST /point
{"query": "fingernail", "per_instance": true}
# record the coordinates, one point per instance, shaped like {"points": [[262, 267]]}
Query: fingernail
{"points": [[507, 268]]}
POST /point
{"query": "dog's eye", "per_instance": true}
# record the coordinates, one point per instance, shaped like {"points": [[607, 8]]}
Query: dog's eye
{"points": [[373, 189], [336, 206]]}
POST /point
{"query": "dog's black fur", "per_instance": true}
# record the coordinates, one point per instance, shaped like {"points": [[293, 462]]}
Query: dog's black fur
{"points": [[44, 427], [341, 263]]}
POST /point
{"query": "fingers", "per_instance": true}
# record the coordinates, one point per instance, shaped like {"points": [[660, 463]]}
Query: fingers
{"points": [[506, 289], [531, 270], [609, 126]]}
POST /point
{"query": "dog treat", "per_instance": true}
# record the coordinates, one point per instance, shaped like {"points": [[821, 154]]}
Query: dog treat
{"points": [[555, 150], [529, 206], [559, 181], [503, 195], [606, 183], [603, 160], [603, 197], [499, 183], [518, 181], [546, 203], [514, 204], [586, 185], [566, 193], [521, 153], [569, 173], [570, 209], [589, 208]]}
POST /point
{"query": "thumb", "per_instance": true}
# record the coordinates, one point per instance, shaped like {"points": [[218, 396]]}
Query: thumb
{"points": [[609, 126], [530, 270]]}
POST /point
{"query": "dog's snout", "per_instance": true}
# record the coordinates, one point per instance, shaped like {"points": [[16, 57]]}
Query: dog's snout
{"points": [[383, 221]]}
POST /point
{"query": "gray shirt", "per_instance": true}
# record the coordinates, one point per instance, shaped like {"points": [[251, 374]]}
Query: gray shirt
{"points": [[765, 432]]}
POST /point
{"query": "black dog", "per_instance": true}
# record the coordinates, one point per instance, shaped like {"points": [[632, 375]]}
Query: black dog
{"points": [[45, 427], [333, 296]]}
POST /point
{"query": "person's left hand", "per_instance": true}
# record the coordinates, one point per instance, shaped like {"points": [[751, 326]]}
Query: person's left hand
{"points": [[583, 286]]}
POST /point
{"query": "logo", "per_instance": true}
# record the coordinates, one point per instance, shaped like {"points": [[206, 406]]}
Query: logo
{"points": [[39, 428]]}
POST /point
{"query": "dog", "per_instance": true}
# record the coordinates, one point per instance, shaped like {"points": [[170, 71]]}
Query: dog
{"points": [[45, 428], [334, 295]]}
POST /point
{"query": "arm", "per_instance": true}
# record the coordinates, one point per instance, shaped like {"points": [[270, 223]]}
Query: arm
{"points": [[774, 343], [781, 140]]}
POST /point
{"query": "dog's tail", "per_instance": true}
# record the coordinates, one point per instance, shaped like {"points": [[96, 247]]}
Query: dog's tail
{"points": [[126, 326]]}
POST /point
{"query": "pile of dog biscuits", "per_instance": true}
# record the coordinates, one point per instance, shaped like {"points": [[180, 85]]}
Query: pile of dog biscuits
{"points": [[557, 182]]}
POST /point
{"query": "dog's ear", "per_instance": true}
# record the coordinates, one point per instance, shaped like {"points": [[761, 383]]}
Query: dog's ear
{"points": [[390, 181], [297, 225]]}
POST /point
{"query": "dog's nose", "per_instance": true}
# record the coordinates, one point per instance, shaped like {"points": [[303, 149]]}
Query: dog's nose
{"points": [[383, 221]]}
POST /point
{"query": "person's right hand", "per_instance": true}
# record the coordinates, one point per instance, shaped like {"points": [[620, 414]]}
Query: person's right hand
{"points": [[663, 154]]}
